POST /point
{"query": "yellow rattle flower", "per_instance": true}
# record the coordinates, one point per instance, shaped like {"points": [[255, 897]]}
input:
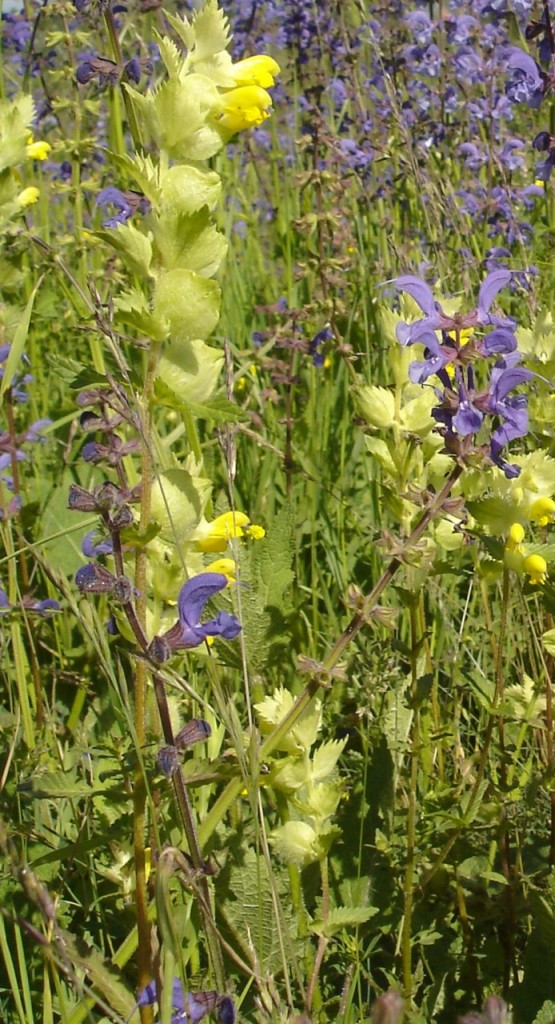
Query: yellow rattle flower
{"points": [[28, 196], [515, 538], [215, 536], [542, 510], [245, 107], [226, 566], [257, 70], [536, 568], [38, 150]]}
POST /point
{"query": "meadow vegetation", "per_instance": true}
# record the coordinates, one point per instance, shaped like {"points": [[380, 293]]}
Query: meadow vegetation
{"points": [[277, 487]]}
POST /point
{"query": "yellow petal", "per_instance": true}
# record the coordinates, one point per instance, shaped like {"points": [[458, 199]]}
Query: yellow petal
{"points": [[38, 150], [536, 568], [257, 70], [28, 196], [244, 107]]}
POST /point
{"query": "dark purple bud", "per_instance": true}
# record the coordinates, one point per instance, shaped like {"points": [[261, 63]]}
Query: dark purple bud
{"points": [[225, 1010], [133, 70], [195, 731], [107, 496], [45, 607], [123, 590], [80, 500], [168, 761], [121, 517], [159, 651], [92, 452], [85, 72], [543, 141], [107, 70], [95, 579]]}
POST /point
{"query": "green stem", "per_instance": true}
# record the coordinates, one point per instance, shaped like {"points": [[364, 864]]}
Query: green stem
{"points": [[410, 866], [118, 57]]}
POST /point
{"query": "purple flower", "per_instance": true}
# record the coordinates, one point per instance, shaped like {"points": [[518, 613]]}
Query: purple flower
{"points": [[91, 550], [436, 355], [192, 1007], [545, 143], [126, 203], [193, 596], [324, 335], [107, 70], [528, 84], [437, 320], [514, 412], [467, 419], [189, 631]]}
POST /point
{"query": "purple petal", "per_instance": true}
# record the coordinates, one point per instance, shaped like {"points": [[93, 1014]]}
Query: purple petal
{"points": [[195, 593], [505, 382], [493, 284], [147, 995], [520, 61], [90, 549], [467, 419], [499, 340], [420, 292]]}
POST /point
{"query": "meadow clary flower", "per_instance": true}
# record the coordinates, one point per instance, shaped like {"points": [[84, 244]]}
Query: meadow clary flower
{"points": [[192, 598], [513, 411], [191, 1006], [528, 84], [437, 320], [126, 203], [189, 631]]}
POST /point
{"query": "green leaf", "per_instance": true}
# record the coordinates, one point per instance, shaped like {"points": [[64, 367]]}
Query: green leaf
{"points": [[188, 373], [18, 343], [56, 786], [15, 119], [100, 974], [132, 308], [248, 907], [207, 33], [342, 917], [190, 242], [498, 514], [186, 189], [188, 303], [178, 502], [218, 408], [134, 247], [325, 759]]}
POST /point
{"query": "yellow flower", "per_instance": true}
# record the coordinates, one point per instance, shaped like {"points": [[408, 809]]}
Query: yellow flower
{"points": [[28, 196], [542, 510], [255, 532], [257, 70], [38, 150], [226, 566], [515, 538], [536, 567], [215, 536], [245, 107]]}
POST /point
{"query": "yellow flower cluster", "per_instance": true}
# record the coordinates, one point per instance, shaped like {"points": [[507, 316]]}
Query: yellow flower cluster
{"points": [[215, 537], [534, 566], [248, 103]]}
